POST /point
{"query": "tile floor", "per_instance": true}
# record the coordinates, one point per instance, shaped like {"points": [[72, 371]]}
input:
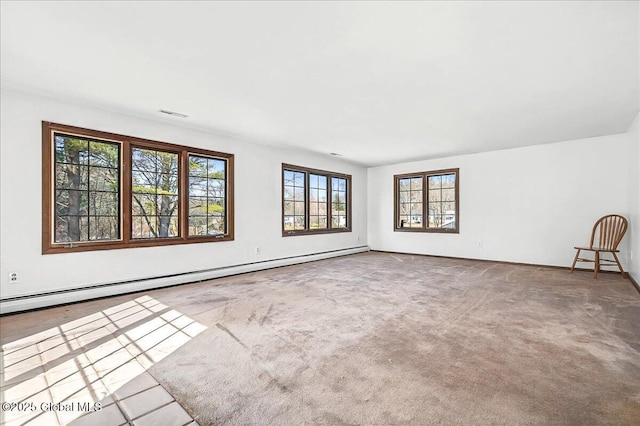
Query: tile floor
{"points": [[60, 376]]}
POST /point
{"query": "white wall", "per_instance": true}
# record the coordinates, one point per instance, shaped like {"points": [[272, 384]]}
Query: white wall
{"points": [[633, 157], [257, 203], [529, 205]]}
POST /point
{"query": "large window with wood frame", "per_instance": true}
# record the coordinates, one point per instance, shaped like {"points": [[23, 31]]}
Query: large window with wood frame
{"points": [[314, 201], [427, 201], [106, 191]]}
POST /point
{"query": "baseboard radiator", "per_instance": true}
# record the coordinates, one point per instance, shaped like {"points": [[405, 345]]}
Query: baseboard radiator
{"points": [[71, 295]]}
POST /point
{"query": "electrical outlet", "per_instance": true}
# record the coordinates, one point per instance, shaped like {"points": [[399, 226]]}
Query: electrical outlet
{"points": [[257, 250], [479, 244], [13, 277]]}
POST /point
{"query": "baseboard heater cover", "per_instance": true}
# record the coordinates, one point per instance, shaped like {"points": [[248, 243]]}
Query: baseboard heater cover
{"points": [[61, 297]]}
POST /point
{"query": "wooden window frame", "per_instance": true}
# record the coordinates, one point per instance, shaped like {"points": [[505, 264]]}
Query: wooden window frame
{"points": [[308, 171], [425, 201], [126, 144]]}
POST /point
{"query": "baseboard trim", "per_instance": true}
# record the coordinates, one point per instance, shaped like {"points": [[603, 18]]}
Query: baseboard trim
{"points": [[567, 268], [80, 294]]}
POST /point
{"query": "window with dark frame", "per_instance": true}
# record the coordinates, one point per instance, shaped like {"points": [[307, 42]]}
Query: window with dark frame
{"points": [[427, 201], [154, 193], [108, 191], [314, 201], [207, 200]]}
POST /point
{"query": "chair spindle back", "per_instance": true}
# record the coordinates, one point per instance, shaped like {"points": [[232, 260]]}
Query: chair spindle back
{"points": [[610, 230]]}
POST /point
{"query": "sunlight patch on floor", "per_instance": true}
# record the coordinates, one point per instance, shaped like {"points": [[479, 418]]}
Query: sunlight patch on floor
{"points": [[58, 375]]}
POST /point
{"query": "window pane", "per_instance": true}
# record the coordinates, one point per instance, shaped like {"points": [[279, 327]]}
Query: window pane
{"points": [[103, 154], [318, 222], [198, 206], [288, 178], [104, 179], [71, 150], [168, 226], [216, 169], [289, 193], [448, 195], [144, 226], [216, 187], [197, 186], [198, 166], [289, 208], [322, 182], [416, 184], [449, 208], [435, 182], [197, 225], [299, 222], [313, 209], [72, 203], [72, 176], [103, 228], [288, 222], [143, 160], [313, 222], [449, 181], [104, 203], [215, 225], [82, 191], [154, 192], [207, 196], [144, 204]]}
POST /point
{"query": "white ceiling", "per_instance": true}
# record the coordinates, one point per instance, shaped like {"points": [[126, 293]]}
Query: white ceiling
{"points": [[378, 82]]}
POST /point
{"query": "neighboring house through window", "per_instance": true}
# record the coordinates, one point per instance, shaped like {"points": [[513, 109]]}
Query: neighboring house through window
{"points": [[427, 201]]}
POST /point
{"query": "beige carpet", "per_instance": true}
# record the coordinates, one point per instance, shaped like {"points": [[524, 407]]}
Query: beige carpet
{"points": [[380, 338]]}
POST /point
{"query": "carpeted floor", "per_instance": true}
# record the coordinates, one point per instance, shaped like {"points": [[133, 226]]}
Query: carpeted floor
{"points": [[379, 338]]}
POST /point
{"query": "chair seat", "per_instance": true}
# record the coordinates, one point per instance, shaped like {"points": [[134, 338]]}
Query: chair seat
{"points": [[596, 249]]}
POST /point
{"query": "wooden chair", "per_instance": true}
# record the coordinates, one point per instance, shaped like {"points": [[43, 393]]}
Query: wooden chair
{"points": [[609, 230]]}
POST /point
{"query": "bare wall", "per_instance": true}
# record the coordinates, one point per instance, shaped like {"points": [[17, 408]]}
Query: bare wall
{"points": [[257, 203], [633, 157], [529, 205]]}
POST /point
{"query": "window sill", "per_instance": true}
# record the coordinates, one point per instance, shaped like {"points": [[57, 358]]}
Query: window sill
{"points": [[314, 232], [114, 245], [428, 230]]}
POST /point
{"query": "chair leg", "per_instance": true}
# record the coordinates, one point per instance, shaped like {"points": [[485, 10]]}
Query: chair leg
{"points": [[619, 266], [575, 259], [596, 266]]}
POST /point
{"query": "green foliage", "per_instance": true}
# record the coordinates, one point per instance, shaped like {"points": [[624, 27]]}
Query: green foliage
{"points": [[144, 189], [215, 208]]}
